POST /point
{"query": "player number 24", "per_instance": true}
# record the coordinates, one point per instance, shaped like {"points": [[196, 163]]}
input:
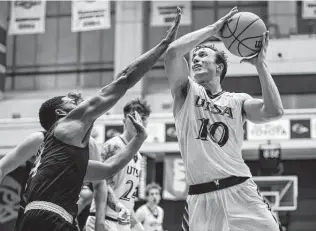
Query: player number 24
{"points": [[127, 195], [206, 129]]}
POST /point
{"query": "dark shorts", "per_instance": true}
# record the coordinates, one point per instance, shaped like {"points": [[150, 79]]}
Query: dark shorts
{"points": [[42, 220]]}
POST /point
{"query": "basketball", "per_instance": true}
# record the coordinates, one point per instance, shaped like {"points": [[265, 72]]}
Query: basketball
{"points": [[242, 34]]}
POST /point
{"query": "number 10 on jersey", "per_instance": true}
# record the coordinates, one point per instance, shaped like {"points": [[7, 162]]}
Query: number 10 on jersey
{"points": [[213, 131]]}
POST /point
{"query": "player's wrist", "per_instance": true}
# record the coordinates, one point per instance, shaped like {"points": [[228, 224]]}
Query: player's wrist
{"points": [[166, 41], [142, 135], [213, 29], [261, 64], [99, 221]]}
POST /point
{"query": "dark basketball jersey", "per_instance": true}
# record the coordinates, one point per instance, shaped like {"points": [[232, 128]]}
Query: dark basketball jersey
{"points": [[58, 173]]}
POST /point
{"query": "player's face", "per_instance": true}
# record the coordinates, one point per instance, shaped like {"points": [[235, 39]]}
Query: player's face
{"points": [[203, 64], [71, 101], [154, 196], [130, 127]]}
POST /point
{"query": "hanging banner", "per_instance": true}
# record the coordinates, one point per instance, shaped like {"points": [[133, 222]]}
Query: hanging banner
{"points": [[90, 15], [163, 12], [27, 17], [309, 9], [175, 184]]}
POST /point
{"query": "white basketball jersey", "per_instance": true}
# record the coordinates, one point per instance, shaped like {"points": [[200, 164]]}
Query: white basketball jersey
{"points": [[149, 220], [126, 181], [210, 134]]}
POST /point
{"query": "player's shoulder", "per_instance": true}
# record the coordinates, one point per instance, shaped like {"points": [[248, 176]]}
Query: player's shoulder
{"points": [[160, 209], [142, 208], [238, 97], [140, 157], [36, 137], [241, 96]]}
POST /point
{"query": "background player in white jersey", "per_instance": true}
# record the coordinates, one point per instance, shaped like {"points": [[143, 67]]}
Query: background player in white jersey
{"points": [[151, 214], [122, 187], [209, 124]]}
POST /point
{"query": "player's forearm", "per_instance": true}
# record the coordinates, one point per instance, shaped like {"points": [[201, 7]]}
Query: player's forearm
{"points": [[21, 153], [82, 203], [113, 202], [99, 171], [271, 97], [118, 161], [136, 70], [100, 197], [186, 43], [11, 161]]}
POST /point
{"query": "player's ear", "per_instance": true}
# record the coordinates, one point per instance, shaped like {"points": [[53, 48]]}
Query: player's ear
{"points": [[219, 67], [60, 112]]}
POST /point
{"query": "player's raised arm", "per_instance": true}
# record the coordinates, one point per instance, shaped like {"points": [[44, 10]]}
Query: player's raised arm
{"points": [[98, 171], [175, 65], [21, 153], [270, 108], [107, 97]]}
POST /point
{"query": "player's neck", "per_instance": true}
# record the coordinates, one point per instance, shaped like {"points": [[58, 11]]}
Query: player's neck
{"points": [[127, 136], [152, 206], [212, 86]]}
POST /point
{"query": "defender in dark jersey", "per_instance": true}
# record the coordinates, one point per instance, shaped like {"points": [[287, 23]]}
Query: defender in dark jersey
{"points": [[54, 183]]}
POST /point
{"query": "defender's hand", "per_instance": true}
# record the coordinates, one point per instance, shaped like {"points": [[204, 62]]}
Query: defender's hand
{"points": [[172, 32], [261, 56], [124, 216], [138, 124], [220, 23]]}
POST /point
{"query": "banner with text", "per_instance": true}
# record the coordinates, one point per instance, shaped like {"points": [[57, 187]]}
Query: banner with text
{"points": [[175, 184], [163, 12], [27, 17], [90, 15], [279, 129], [309, 9]]}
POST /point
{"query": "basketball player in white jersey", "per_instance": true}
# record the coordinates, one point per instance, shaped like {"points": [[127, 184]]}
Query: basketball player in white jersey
{"points": [[122, 187], [209, 124], [151, 214]]}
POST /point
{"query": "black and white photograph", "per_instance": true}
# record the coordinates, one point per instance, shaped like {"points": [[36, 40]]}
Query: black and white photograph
{"points": [[154, 115]]}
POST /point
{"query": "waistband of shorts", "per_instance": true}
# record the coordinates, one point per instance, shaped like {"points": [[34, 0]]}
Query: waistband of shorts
{"points": [[216, 185], [51, 207]]}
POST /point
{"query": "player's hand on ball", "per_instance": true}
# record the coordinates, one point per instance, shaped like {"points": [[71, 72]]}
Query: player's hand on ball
{"points": [[261, 56], [172, 32], [138, 125], [220, 23]]}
